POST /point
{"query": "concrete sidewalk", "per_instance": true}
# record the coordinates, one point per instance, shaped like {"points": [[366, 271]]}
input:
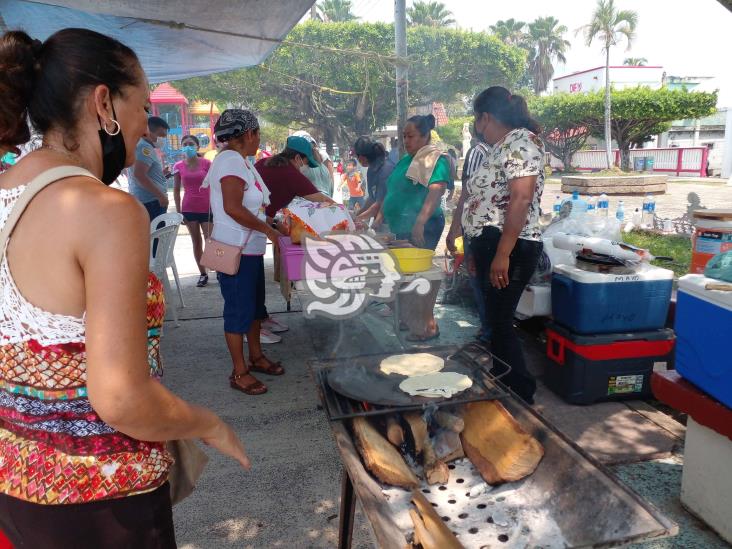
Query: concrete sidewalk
{"points": [[291, 496]]}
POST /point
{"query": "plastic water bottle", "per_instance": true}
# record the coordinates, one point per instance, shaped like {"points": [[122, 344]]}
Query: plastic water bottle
{"points": [[645, 216], [603, 205], [557, 206], [579, 206], [620, 213], [651, 209], [592, 205]]}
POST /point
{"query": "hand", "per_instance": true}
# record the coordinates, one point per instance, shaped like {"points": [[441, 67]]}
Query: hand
{"points": [[224, 439], [418, 235], [499, 271], [454, 233], [274, 235], [163, 201]]}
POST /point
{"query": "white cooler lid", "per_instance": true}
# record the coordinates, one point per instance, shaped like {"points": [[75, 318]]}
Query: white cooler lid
{"points": [[650, 273], [695, 285]]}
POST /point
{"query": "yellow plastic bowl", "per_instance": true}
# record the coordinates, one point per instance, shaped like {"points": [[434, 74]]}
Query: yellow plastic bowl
{"points": [[413, 260]]}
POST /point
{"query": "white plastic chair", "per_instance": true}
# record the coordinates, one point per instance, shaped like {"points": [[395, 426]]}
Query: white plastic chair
{"points": [[166, 220], [163, 242]]}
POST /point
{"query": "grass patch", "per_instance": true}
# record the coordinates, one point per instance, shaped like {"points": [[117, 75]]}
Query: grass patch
{"points": [[678, 247]]}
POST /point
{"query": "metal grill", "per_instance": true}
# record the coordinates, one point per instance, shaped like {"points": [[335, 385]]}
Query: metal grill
{"points": [[507, 517], [486, 386]]}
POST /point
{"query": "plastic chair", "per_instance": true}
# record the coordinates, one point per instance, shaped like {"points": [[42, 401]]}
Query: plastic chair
{"points": [[161, 221], [159, 260]]}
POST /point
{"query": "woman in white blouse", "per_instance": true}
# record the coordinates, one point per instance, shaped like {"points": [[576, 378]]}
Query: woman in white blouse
{"points": [[238, 199]]}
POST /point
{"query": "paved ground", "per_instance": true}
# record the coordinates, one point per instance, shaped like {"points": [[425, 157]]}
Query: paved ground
{"points": [[715, 194], [290, 499]]}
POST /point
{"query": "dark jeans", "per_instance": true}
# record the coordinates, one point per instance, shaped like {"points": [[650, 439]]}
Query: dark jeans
{"points": [[360, 200], [485, 326], [500, 305], [154, 209], [432, 232], [143, 521]]}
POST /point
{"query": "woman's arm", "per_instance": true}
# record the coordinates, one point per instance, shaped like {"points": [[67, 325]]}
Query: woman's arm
{"points": [[456, 227], [319, 197], [114, 261], [232, 191], [522, 193], [428, 208], [176, 191]]}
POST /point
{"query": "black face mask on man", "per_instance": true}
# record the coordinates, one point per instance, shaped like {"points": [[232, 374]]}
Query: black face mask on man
{"points": [[114, 152]]}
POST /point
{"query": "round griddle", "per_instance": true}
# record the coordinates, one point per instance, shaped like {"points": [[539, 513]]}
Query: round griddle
{"points": [[366, 383]]}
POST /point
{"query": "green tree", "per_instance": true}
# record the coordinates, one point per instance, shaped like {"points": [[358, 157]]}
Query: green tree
{"points": [[510, 31], [610, 26], [349, 89], [562, 116], [452, 132], [635, 61], [429, 14], [546, 45], [337, 11], [640, 113]]}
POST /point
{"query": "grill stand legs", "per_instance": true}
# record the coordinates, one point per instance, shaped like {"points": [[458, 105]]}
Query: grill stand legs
{"points": [[348, 508]]}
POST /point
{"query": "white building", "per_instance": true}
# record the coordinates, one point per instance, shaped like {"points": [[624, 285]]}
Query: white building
{"points": [[620, 77]]}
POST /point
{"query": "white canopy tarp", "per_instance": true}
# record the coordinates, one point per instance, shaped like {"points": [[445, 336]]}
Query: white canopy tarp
{"points": [[174, 39]]}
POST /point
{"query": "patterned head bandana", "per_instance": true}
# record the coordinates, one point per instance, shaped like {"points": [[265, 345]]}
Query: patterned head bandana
{"points": [[234, 122]]}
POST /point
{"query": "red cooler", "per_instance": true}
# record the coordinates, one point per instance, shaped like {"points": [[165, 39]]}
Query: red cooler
{"points": [[592, 368]]}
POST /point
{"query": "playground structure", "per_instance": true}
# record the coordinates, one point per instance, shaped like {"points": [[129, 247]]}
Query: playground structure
{"points": [[184, 118]]}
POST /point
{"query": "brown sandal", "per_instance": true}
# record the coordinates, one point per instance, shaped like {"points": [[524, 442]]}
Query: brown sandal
{"points": [[272, 369], [254, 388]]}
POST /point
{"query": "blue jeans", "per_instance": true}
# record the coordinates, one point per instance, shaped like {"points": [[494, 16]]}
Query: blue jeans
{"points": [[243, 295]]}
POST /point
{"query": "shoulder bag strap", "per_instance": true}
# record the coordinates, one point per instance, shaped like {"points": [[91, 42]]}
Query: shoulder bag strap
{"points": [[35, 186]]}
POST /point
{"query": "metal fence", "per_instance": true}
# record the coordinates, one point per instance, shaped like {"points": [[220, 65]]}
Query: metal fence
{"points": [[690, 161]]}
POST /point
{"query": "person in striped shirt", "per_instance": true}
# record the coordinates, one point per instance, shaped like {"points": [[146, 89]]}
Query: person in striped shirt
{"points": [[473, 159]]}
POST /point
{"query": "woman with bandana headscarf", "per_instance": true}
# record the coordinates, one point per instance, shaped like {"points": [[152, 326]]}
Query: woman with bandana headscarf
{"points": [[238, 201]]}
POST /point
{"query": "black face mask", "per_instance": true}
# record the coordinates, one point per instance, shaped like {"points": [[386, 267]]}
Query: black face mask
{"points": [[114, 153]]}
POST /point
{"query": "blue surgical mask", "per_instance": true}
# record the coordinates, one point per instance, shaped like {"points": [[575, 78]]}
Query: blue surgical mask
{"points": [[190, 151]]}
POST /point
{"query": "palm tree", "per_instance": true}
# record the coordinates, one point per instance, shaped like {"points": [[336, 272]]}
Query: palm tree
{"points": [[610, 26], [546, 44], [429, 14], [337, 10], [510, 32], [635, 61]]}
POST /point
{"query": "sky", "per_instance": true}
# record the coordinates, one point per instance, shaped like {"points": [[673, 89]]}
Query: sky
{"points": [[687, 38]]}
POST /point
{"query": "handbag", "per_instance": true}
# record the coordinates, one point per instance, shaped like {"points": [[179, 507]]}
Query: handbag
{"points": [[221, 257], [189, 463]]}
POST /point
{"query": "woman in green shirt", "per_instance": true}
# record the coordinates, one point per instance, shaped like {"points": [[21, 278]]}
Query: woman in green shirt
{"points": [[412, 211], [412, 204]]}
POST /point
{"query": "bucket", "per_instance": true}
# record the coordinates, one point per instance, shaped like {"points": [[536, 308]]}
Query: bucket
{"points": [[712, 236], [639, 163], [413, 260]]}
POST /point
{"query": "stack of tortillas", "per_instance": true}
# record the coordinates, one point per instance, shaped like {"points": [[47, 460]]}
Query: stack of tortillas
{"points": [[424, 375]]}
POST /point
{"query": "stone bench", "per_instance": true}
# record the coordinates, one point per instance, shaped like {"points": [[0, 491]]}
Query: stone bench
{"points": [[615, 184]]}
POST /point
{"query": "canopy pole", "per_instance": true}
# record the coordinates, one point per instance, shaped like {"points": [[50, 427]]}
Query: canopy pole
{"points": [[402, 68]]}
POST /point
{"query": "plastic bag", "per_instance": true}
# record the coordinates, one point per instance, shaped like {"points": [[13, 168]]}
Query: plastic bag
{"points": [[720, 267]]}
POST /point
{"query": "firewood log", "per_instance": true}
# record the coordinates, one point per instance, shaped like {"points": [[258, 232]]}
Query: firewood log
{"points": [[429, 530], [380, 457], [449, 421], [448, 446], [394, 431], [435, 470], [497, 445], [418, 427]]}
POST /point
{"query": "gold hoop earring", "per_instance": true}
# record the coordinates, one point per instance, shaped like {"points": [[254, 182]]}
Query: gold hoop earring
{"points": [[116, 130]]}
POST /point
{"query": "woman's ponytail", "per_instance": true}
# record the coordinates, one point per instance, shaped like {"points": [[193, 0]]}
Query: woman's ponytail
{"points": [[18, 66]]}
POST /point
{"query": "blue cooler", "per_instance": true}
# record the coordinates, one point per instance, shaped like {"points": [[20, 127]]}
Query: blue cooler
{"points": [[589, 302], [704, 336]]}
